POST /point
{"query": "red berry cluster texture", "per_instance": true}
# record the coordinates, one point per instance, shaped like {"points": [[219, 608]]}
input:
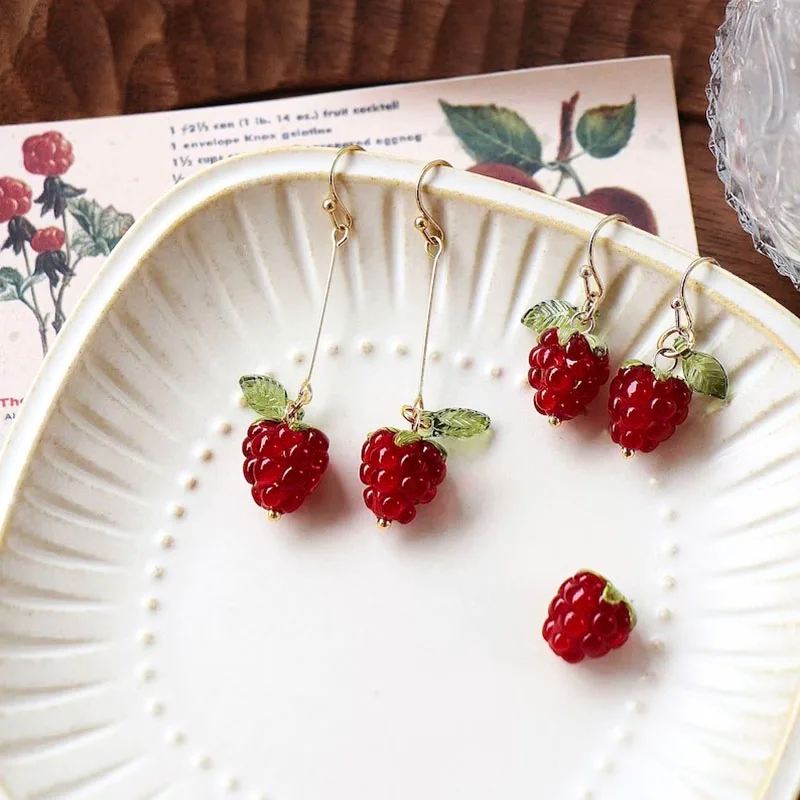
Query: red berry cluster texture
{"points": [[567, 377], [47, 154], [47, 240], [645, 408], [399, 477], [283, 465], [15, 198], [588, 618]]}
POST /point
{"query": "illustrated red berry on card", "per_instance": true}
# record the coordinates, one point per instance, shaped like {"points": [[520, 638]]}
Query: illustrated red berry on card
{"points": [[568, 367], [46, 240], [15, 198], [403, 469], [47, 154], [646, 405], [588, 618], [285, 459]]}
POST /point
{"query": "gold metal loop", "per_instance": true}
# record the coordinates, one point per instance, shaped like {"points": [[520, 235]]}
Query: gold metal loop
{"points": [[592, 283], [670, 351], [341, 218], [425, 223]]}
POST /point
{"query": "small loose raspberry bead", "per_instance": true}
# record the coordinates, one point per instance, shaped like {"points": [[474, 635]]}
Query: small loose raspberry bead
{"points": [[566, 377], [645, 408], [398, 478], [588, 618]]}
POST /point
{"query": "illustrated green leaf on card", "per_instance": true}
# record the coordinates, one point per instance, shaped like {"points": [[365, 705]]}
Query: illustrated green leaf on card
{"points": [[100, 228], [492, 134], [10, 284], [549, 314], [705, 375], [605, 130], [459, 423], [264, 395]]}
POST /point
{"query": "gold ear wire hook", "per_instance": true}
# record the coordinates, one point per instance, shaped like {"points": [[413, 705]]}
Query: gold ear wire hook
{"points": [[333, 203], [593, 285], [425, 223], [679, 304]]}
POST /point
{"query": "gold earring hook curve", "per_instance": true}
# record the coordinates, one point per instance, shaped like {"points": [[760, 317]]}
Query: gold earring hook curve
{"points": [[592, 283], [679, 303], [333, 203], [425, 222]]}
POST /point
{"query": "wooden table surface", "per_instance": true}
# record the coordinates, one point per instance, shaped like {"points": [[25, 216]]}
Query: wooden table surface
{"points": [[72, 58]]}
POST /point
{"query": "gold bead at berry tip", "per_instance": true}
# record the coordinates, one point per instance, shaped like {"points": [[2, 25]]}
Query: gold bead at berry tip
{"points": [[384, 524], [420, 223], [273, 515], [627, 452], [554, 421], [328, 204]]}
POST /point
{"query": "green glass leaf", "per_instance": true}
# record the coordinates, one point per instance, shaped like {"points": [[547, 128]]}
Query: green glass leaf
{"points": [[632, 362], [549, 314], [605, 130], [459, 423], [705, 375], [614, 597], [265, 396], [598, 346], [402, 438], [491, 134]]}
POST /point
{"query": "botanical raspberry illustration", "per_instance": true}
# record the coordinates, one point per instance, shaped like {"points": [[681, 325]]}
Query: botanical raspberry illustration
{"points": [[47, 154], [59, 250], [46, 240], [284, 459], [567, 367], [15, 198], [588, 618], [646, 405], [403, 469], [507, 148]]}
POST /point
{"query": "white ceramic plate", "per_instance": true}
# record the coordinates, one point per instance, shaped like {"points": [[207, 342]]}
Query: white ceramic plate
{"points": [[161, 639]]}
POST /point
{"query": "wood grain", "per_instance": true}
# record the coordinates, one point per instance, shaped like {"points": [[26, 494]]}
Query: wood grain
{"points": [[62, 59]]}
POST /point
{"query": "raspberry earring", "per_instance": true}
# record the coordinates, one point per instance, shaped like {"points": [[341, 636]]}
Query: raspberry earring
{"points": [[646, 403], [285, 458], [403, 469], [569, 364]]}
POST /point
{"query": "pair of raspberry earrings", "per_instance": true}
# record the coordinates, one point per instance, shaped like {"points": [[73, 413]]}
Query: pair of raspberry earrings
{"points": [[285, 459], [589, 617], [569, 365]]}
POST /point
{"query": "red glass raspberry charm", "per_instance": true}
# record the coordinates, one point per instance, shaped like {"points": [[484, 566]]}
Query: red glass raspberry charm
{"points": [[399, 476], [568, 376], [48, 240], [284, 459], [588, 618], [47, 154], [283, 465], [403, 469], [15, 198], [645, 408]]}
